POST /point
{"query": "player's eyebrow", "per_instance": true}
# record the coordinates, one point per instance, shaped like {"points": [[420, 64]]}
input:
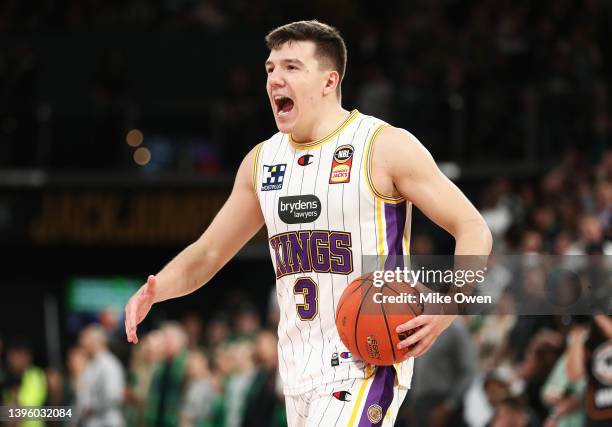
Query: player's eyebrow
{"points": [[285, 62]]}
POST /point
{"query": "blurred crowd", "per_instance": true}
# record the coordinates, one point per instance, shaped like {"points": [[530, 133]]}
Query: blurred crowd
{"points": [[222, 373], [492, 369], [537, 369], [477, 81]]}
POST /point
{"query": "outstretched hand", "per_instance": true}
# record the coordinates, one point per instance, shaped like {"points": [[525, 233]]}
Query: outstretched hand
{"points": [[138, 307]]}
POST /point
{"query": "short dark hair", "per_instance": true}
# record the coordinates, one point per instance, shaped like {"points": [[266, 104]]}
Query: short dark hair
{"points": [[327, 39]]}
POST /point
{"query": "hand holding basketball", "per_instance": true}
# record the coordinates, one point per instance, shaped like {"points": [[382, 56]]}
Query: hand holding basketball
{"points": [[138, 307], [368, 315], [430, 326]]}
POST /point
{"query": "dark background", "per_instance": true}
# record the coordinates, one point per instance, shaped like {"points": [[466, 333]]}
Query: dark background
{"points": [[511, 97]]}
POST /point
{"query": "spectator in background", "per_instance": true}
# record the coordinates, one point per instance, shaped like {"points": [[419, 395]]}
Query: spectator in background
{"points": [[563, 397], [542, 353], [165, 395], [492, 336], [238, 382], [496, 389], [200, 394], [100, 390], [603, 205], [442, 377], [143, 362], [58, 392], [192, 324], [591, 233], [264, 405], [110, 322], [26, 384], [590, 356], [217, 331], [512, 412], [58, 389], [246, 323], [76, 362]]}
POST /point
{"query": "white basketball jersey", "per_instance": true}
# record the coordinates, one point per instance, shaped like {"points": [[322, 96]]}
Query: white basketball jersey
{"points": [[323, 213]]}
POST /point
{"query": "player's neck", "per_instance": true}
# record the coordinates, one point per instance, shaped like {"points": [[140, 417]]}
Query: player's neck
{"points": [[325, 121]]}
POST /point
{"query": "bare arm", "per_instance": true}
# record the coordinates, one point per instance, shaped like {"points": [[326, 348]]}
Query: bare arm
{"points": [[576, 359], [235, 224], [414, 174], [403, 166]]}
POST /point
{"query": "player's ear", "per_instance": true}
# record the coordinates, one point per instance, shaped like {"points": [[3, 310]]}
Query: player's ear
{"points": [[333, 79]]}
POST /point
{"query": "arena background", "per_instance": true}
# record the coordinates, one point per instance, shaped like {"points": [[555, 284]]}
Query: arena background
{"points": [[122, 124]]}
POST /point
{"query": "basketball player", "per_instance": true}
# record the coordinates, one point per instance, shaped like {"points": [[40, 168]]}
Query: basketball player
{"points": [[331, 185]]}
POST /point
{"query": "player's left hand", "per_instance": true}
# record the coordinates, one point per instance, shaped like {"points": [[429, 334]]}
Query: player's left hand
{"points": [[428, 328]]}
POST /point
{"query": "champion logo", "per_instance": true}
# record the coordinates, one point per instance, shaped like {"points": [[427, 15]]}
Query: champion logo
{"points": [[342, 395], [305, 160]]}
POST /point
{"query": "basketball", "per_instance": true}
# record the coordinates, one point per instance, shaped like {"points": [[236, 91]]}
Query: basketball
{"points": [[367, 315]]}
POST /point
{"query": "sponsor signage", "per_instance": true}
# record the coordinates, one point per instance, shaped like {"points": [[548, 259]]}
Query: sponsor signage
{"points": [[299, 209]]}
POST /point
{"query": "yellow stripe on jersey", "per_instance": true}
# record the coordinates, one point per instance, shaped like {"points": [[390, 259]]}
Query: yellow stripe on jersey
{"points": [[313, 144], [255, 167], [380, 228], [407, 229], [368, 168], [362, 390]]}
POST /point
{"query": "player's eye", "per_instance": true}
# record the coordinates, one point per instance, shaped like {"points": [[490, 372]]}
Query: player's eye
{"points": [[292, 67]]}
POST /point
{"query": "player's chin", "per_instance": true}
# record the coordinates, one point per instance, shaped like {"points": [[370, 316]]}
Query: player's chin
{"points": [[283, 125]]}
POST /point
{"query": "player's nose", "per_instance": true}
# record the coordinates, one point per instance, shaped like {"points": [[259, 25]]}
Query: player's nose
{"points": [[275, 79]]}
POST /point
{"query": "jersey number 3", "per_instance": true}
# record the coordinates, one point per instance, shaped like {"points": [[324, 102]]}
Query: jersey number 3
{"points": [[308, 288]]}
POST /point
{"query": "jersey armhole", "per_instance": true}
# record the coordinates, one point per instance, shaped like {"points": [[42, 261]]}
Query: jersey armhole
{"points": [[255, 168], [368, 168]]}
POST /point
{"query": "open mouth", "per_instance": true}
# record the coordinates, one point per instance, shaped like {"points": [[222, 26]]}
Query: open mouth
{"points": [[284, 104]]}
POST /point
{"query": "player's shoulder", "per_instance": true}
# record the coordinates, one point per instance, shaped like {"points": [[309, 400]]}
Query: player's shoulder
{"points": [[274, 140], [257, 151], [394, 139], [383, 131], [397, 148]]}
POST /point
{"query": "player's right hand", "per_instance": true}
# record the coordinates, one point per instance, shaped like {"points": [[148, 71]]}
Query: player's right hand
{"points": [[138, 307]]}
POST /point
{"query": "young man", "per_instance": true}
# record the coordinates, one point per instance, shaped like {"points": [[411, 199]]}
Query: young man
{"points": [[331, 186]]}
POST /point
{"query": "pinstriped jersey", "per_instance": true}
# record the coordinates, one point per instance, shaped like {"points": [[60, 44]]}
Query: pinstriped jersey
{"points": [[323, 213]]}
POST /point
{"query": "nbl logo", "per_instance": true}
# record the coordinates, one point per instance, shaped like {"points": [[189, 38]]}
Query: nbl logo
{"points": [[341, 165], [273, 177]]}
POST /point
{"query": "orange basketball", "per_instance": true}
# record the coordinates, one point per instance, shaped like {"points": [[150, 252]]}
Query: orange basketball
{"points": [[366, 320]]}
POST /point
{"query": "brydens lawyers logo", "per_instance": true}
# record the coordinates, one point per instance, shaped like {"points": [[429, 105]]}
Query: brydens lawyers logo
{"points": [[299, 209], [273, 177], [342, 395], [305, 160], [341, 166]]}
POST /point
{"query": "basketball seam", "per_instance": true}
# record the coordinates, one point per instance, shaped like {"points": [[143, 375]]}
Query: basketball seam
{"points": [[343, 298], [357, 318], [384, 313], [409, 306]]}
